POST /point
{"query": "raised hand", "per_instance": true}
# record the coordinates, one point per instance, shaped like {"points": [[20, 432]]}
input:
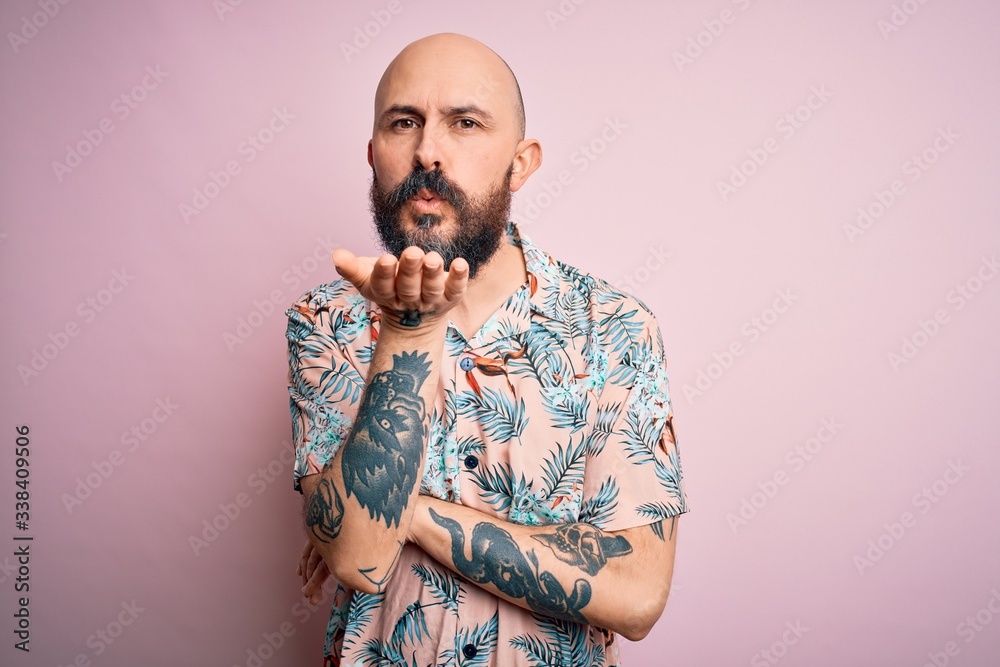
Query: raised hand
{"points": [[413, 292]]}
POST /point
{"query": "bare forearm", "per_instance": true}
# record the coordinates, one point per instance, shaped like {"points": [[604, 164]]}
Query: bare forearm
{"points": [[572, 571], [360, 513]]}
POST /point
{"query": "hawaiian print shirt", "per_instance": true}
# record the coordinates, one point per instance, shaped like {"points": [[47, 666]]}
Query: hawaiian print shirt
{"points": [[556, 411]]}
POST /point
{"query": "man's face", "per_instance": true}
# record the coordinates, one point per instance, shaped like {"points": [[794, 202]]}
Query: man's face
{"points": [[480, 221], [442, 146]]}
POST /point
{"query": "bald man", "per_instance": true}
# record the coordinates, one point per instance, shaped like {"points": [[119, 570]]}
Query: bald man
{"points": [[483, 433]]}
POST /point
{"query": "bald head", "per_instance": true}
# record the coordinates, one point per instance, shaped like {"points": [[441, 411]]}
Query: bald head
{"points": [[471, 73]]}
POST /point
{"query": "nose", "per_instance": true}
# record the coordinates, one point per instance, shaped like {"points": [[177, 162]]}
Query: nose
{"points": [[428, 153]]}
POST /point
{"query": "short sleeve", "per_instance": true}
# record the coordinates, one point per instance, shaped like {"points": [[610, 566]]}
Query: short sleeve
{"points": [[325, 381], [633, 472]]}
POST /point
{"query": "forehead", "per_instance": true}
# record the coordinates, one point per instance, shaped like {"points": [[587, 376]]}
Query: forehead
{"points": [[434, 79]]}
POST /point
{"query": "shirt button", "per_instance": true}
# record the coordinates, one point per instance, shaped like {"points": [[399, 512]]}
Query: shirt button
{"points": [[470, 650], [471, 461], [466, 364]]}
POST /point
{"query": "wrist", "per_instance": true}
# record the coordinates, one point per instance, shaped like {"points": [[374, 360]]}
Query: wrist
{"points": [[431, 329]]}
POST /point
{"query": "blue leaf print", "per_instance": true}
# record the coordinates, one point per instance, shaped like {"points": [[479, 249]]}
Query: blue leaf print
{"points": [[483, 637], [567, 405], [564, 469], [361, 609], [342, 383], [444, 586], [411, 626], [498, 487], [470, 444], [642, 438], [604, 424], [384, 653], [600, 508], [620, 329], [498, 415]]}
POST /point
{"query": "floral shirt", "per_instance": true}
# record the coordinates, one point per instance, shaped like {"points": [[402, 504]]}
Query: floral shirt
{"points": [[556, 411]]}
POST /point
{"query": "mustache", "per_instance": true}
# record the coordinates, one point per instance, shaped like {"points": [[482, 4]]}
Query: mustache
{"points": [[434, 180]]}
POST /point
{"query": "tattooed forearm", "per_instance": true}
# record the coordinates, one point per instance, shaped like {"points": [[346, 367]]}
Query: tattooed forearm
{"points": [[381, 459], [584, 546], [409, 317], [496, 559], [326, 511], [380, 583]]}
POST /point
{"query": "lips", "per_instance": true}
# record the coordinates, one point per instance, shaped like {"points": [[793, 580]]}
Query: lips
{"points": [[426, 201]]}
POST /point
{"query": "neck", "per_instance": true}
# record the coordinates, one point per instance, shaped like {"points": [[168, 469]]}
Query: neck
{"points": [[493, 284]]}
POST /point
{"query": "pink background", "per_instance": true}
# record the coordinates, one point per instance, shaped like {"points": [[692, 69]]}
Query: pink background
{"points": [[653, 190]]}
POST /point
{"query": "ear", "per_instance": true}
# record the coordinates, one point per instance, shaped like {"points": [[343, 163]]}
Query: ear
{"points": [[371, 157], [527, 158]]}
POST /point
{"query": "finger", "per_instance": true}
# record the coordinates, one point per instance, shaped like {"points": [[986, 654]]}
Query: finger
{"points": [[383, 279], [432, 287], [457, 281], [408, 275], [306, 550], [348, 266], [313, 588], [313, 563]]}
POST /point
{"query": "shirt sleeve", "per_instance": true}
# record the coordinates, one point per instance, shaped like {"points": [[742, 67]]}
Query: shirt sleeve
{"points": [[633, 472], [325, 381]]}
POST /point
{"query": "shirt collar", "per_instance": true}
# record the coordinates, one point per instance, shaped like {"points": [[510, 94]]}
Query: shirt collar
{"points": [[544, 276]]}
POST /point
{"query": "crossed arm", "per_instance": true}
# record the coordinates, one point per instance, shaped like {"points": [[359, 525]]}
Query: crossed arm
{"points": [[363, 508], [615, 580]]}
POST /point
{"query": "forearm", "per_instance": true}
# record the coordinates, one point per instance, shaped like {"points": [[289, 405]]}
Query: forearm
{"points": [[362, 507], [570, 571]]}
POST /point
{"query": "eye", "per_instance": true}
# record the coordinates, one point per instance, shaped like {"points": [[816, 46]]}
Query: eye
{"points": [[404, 123], [467, 123], [385, 423]]}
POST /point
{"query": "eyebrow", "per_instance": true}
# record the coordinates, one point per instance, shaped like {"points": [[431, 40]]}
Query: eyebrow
{"points": [[450, 111]]}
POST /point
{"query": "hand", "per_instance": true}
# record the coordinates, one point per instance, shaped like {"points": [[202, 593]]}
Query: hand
{"points": [[314, 572], [412, 291]]}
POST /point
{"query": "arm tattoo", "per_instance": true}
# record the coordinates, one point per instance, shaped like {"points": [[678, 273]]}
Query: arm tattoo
{"points": [[409, 317], [380, 583], [381, 458], [496, 559], [326, 511], [584, 546]]}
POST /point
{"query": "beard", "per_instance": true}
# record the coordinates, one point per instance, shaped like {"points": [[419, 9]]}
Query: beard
{"points": [[481, 222]]}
